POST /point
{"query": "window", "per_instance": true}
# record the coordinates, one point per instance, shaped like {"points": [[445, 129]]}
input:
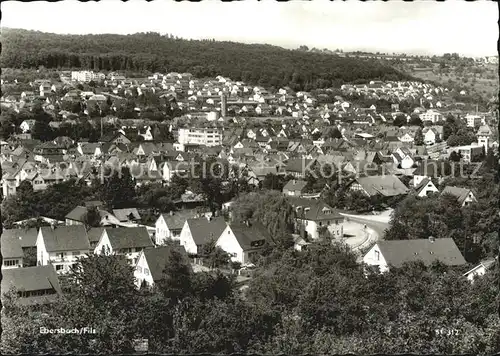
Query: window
{"points": [[139, 269], [10, 262], [377, 255], [76, 253], [59, 267], [146, 271]]}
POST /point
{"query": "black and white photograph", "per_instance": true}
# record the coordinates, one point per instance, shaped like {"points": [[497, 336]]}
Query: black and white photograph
{"points": [[250, 177]]}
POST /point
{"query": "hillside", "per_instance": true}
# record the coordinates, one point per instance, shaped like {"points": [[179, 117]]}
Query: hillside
{"points": [[479, 80], [266, 65]]}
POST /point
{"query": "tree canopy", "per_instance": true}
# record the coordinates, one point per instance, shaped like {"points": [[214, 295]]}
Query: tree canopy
{"points": [[265, 65]]}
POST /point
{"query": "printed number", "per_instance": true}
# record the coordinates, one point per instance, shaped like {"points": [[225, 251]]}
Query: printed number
{"points": [[446, 332]]}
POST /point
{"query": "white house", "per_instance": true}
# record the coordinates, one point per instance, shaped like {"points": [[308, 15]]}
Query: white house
{"points": [[314, 215], [397, 252], [128, 241], [432, 134], [198, 232], [172, 168], [27, 125], [152, 261], [169, 226], [480, 269], [61, 246], [425, 188], [12, 252], [403, 157], [464, 196], [431, 115], [406, 138], [243, 242]]}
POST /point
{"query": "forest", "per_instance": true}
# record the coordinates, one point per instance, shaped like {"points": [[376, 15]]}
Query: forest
{"points": [[265, 65]]}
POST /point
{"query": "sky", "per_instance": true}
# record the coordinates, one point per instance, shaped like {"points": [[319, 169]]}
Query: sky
{"points": [[423, 27]]}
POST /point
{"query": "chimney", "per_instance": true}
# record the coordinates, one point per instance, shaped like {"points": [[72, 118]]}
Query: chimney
{"points": [[431, 239]]}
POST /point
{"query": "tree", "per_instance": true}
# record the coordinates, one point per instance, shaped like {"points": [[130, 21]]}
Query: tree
{"points": [[118, 191], [416, 121], [271, 209], [92, 217], [455, 157], [273, 181], [400, 120], [214, 256], [42, 131], [419, 137]]}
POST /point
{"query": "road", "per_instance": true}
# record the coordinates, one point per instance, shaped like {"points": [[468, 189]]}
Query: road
{"points": [[378, 226]]}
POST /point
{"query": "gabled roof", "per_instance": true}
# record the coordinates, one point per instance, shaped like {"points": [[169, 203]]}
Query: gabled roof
{"points": [[94, 234], [249, 236], [204, 230], [11, 246], [460, 193], [176, 220], [422, 185], [125, 214], [295, 185], [157, 258], [314, 210], [486, 264], [65, 238], [128, 237], [27, 237], [484, 130], [397, 252], [387, 185], [77, 214], [32, 279]]}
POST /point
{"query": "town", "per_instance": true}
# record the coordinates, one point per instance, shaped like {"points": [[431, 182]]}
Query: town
{"points": [[156, 202]]}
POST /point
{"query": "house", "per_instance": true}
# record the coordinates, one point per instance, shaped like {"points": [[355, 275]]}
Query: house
{"points": [[169, 226], [397, 252], [151, 263], [425, 188], [116, 138], [468, 153], [128, 241], [314, 215], [94, 235], [432, 134], [198, 232], [12, 252], [34, 285], [431, 115], [243, 241], [298, 167], [387, 185], [27, 237], [430, 169], [403, 158], [294, 187], [480, 269], [172, 168], [62, 246], [78, 214], [464, 196], [27, 125], [127, 215]]}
